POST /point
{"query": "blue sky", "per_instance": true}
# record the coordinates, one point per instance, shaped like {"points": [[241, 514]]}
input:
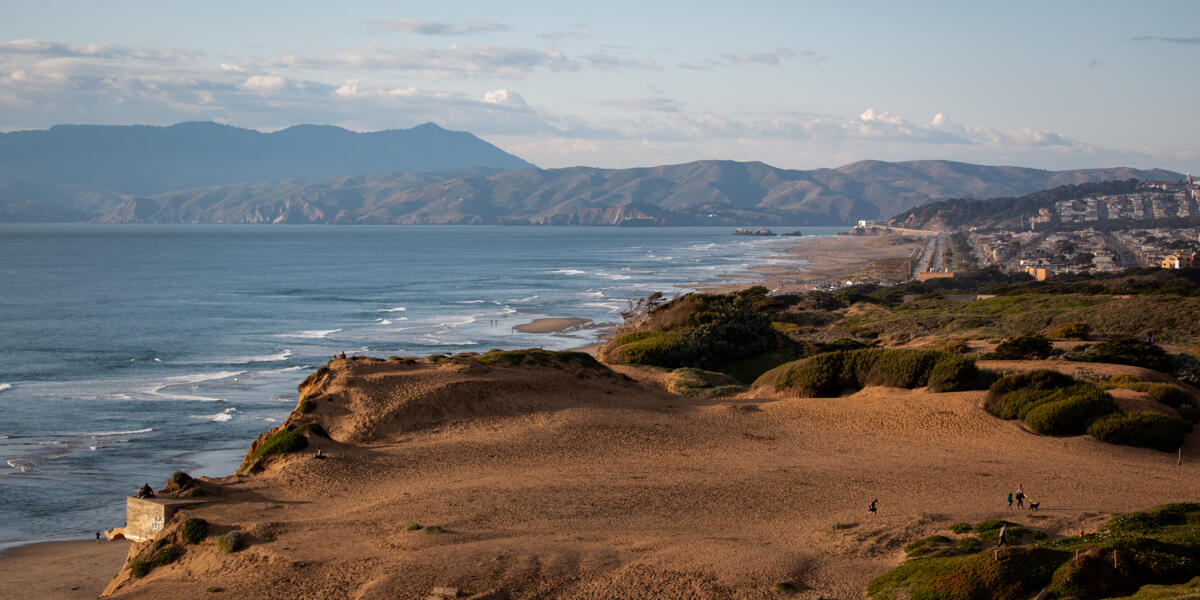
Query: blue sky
{"points": [[619, 84]]}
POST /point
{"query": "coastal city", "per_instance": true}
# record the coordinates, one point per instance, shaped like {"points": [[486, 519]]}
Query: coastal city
{"points": [[1158, 225]]}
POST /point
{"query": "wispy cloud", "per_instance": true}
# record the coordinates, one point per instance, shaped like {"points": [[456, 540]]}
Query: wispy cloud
{"points": [[99, 51], [578, 31], [656, 103], [419, 27], [440, 63], [605, 61], [1168, 40], [772, 58]]}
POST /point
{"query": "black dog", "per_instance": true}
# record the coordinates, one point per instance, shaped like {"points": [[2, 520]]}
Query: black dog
{"points": [[1033, 505]]}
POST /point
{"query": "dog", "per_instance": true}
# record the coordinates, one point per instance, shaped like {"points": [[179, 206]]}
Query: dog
{"points": [[1033, 506]]}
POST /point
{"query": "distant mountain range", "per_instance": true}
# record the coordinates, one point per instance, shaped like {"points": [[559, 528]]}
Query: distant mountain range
{"points": [[143, 160], [208, 173]]}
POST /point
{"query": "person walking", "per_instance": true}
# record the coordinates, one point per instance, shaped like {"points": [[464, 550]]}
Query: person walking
{"points": [[1010, 501], [1003, 537], [1020, 496], [871, 507]]}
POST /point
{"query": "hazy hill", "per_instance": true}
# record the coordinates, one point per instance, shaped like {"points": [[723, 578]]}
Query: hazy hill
{"points": [[145, 160], [697, 193]]}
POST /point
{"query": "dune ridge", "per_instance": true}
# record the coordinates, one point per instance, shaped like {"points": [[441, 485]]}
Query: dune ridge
{"points": [[553, 476]]}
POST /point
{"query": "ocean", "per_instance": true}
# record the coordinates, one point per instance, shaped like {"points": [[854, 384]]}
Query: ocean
{"points": [[132, 351]]}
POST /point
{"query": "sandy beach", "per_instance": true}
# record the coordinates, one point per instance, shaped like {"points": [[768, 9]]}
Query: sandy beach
{"points": [[60, 570], [824, 260], [551, 324], [565, 481]]}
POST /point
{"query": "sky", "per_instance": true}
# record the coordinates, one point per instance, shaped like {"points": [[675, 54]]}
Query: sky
{"points": [[795, 84]]}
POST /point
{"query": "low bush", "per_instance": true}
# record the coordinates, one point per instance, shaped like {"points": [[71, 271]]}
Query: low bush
{"points": [[1070, 416], [1049, 402], [1041, 379], [960, 527], [167, 555], [699, 330], [230, 542], [1166, 393], [969, 545], [1013, 573], [194, 530], [785, 587], [1142, 429], [1071, 331], [281, 443], [1121, 567], [829, 375], [1022, 347], [934, 545], [1123, 380], [413, 527], [1125, 351], [140, 569], [305, 406], [1158, 517], [434, 529]]}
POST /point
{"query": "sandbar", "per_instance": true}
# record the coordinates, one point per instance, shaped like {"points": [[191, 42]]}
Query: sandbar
{"points": [[551, 324]]}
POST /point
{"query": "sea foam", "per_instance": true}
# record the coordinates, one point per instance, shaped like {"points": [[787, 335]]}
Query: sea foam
{"points": [[310, 334], [4, 387]]}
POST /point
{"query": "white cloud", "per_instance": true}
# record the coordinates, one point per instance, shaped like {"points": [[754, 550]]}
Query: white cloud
{"points": [[48, 49], [505, 97]]}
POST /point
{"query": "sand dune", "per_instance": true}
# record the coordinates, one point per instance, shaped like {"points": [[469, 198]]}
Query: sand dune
{"points": [[568, 481]]}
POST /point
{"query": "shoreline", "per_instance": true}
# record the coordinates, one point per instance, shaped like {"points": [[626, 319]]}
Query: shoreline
{"points": [[93, 564]]}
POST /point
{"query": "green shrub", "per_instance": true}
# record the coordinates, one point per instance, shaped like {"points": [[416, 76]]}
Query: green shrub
{"points": [[969, 545], [1014, 573], [1189, 413], [1142, 429], [167, 555], [305, 406], [1071, 331], [952, 373], [1027, 346], [785, 587], [1171, 395], [1165, 515], [282, 442], [960, 527], [1041, 379], [194, 530], [230, 542], [1127, 351], [413, 527], [1121, 567], [934, 545], [181, 479], [829, 375], [434, 529], [1123, 380], [1070, 416], [139, 569]]}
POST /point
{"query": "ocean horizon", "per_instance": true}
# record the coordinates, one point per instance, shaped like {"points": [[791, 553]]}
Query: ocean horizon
{"points": [[138, 350]]}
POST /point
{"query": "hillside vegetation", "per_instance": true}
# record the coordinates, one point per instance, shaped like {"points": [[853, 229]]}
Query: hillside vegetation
{"points": [[1153, 553]]}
